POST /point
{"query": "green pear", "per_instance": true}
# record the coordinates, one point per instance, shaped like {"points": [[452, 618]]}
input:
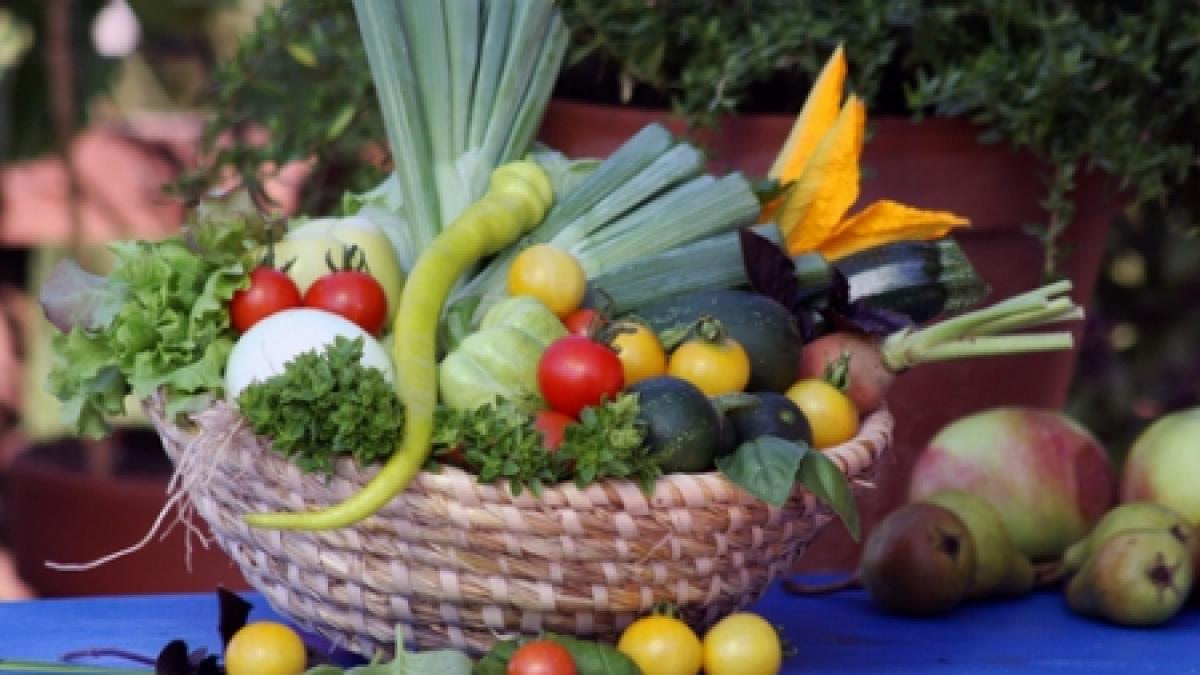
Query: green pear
{"points": [[1000, 569], [918, 561], [1133, 578], [1129, 517]]}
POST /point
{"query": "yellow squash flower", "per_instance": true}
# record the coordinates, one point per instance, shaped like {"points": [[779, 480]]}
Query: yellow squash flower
{"points": [[819, 165]]}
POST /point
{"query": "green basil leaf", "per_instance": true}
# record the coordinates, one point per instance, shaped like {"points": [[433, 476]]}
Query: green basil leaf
{"points": [[765, 467], [593, 658], [826, 481]]}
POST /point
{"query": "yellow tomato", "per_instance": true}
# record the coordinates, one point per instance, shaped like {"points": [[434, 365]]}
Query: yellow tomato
{"points": [[715, 367], [662, 645], [742, 643], [549, 274], [830, 412], [265, 648], [641, 353]]}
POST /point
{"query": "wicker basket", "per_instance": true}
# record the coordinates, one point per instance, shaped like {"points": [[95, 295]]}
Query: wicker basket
{"points": [[459, 564]]}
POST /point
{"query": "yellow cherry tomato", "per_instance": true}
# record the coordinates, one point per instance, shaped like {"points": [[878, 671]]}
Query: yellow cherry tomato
{"points": [[641, 353], [713, 361], [265, 648], [662, 645], [742, 643], [830, 412], [549, 274]]}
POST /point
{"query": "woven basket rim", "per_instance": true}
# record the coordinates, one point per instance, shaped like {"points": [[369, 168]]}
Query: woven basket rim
{"points": [[853, 458]]}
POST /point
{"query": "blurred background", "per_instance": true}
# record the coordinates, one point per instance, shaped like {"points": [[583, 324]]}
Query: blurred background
{"points": [[114, 114]]}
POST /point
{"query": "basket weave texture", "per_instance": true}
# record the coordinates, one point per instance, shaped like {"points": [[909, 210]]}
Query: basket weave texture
{"points": [[458, 564]]}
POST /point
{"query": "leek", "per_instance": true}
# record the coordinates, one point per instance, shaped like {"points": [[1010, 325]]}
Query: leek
{"points": [[462, 86], [711, 263]]}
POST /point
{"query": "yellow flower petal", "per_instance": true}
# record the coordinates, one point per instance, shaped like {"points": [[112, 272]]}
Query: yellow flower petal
{"points": [[815, 119], [818, 201], [887, 221]]}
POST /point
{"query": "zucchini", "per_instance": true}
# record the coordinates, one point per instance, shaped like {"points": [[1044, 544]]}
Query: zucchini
{"points": [[920, 279], [765, 329], [683, 429]]}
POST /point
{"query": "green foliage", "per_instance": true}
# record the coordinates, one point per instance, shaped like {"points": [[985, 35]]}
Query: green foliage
{"points": [[323, 406], [302, 77]]}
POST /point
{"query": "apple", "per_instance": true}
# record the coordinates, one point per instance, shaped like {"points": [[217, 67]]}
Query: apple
{"points": [[1048, 477], [1163, 466]]}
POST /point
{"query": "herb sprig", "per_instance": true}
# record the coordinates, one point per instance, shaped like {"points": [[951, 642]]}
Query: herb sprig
{"points": [[500, 442], [326, 405]]}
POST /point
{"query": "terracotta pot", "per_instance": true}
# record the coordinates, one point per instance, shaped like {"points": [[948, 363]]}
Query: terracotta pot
{"points": [[936, 164], [60, 508]]}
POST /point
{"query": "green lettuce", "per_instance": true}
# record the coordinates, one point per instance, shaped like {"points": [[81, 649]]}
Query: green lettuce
{"points": [[158, 321]]}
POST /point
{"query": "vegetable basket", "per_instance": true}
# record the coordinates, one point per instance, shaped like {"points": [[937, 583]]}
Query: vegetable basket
{"points": [[456, 563]]}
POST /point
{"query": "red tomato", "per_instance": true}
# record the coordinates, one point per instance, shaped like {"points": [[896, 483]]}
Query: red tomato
{"points": [[553, 426], [583, 321], [352, 294], [576, 372], [541, 657], [270, 291]]}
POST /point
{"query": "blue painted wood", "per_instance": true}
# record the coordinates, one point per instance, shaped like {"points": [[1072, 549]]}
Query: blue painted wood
{"points": [[840, 633]]}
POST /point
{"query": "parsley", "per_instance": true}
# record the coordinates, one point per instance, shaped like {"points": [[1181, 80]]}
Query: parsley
{"points": [[323, 406], [500, 442]]}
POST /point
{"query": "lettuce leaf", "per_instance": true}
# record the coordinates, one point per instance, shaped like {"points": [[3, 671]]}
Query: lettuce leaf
{"points": [[160, 319]]}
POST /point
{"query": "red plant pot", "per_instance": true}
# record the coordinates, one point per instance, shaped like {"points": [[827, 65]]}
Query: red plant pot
{"points": [[934, 164]]}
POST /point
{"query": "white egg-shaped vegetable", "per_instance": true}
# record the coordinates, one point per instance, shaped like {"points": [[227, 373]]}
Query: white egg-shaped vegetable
{"points": [[263, 351]]}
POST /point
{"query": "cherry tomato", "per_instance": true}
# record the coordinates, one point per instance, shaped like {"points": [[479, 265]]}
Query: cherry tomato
{"points": [[582, 321], [713, 361], [541, 657], [270, 291], [830, 412], [553, 426], [662, 645], [742, 643], [352, 294], [641, 353], [265, 648], [576, 372], [549, 274]]}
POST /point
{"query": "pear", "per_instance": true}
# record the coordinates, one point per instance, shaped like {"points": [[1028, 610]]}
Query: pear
{"points": [[1133, 578], [1000, 569], [1128, 517], [919, 560]]}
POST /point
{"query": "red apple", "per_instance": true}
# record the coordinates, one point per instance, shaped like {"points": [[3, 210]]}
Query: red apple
{"points": [[1047, 476], [1163, 466]]}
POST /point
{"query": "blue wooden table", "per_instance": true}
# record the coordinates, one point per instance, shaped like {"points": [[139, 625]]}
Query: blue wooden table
{"points": [[840, 633]]}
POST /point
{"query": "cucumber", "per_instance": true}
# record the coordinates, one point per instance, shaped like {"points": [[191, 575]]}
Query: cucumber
{"points": [[683, 428], [765, 329]]}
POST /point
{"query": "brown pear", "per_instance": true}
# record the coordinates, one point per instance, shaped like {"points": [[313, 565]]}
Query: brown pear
{"points": [[1000, 569], [1133, 578], [919, 561]]}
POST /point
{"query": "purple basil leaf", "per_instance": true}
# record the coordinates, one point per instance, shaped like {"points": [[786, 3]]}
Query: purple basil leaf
{"points": [[770, 271], [773, 274], [173, 660], [234, 611], [209, 666], [71, 296]]}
